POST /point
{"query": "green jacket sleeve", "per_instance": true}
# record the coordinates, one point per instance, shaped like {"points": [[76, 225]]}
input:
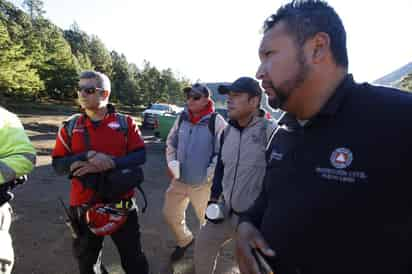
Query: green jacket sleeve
{"points": [[17, 154]]}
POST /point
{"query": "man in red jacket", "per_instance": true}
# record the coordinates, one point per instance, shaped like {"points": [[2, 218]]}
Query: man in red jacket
{"points": [[93, 145]]}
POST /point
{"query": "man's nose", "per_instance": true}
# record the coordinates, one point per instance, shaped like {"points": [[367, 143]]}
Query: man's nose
{"points": [[260, 73]]}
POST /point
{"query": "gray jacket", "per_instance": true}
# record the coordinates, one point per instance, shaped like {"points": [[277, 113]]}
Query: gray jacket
{"points": [[195, 147], [242, 163]]}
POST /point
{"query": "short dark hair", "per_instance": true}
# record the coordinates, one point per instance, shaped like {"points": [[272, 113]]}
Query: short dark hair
{"points": [[305, 18], [102, 80]]}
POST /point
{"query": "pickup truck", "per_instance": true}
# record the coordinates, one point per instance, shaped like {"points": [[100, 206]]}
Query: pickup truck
{"points": [[151, 115]]}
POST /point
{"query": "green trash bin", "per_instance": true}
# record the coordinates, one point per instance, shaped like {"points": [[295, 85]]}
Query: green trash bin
{"points": [[165, 124]]}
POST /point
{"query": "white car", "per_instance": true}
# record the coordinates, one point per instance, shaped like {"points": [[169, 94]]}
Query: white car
{"points": [[151, 114]]}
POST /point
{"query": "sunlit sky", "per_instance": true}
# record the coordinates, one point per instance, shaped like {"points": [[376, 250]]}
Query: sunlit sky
{"points": [[217, 40]]}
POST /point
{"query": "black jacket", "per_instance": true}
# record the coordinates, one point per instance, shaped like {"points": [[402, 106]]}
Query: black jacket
{"points": [[337, 194]]}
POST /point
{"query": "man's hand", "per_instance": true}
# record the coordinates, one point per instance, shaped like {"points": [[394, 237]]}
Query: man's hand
{"points": [[77, 165], [247, 238], [102, 161], [84, 169]]}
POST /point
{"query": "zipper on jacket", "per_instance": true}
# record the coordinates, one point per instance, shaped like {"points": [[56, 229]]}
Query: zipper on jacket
{"points": [[189, 140], [237, 165]]}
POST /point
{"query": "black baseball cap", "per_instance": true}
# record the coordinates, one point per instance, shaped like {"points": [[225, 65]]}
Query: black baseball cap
{"points": [[198, 88], [243, 84]]}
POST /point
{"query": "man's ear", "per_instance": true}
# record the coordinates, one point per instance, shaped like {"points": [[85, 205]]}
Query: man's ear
{"points": [[320, 47], [105, 94], [255, 100]]}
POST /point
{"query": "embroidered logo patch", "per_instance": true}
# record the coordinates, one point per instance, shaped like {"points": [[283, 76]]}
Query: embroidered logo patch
{"points": [[341, 158], [114, 125]]}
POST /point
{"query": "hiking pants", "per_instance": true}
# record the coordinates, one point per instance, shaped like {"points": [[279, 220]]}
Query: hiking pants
{"points": [[87, 248]]}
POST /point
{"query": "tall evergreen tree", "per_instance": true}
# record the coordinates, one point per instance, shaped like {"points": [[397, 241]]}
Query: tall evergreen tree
{"points": [[124, 85], [16, 76], [59, 70], [34, 8], [79, 42], [100, 56]]}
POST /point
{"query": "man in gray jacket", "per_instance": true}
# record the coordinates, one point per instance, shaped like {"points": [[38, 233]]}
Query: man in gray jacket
{"points": [[191, 154], [239, 172]]}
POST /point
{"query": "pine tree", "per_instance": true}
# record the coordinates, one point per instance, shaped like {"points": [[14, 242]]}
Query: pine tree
{"points": [[59, 70], [34, 8], [16, 76], [100, 56]]}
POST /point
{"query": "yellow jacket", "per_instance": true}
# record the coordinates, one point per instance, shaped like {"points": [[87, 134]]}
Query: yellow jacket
{"points": [[17, 154]]}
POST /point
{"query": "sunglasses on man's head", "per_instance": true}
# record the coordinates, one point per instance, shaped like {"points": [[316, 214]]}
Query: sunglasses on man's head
{"points": [[89, 90]]}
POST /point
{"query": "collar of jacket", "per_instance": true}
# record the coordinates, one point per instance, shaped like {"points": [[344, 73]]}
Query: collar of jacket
{"points": [[205, 113], [258, 116], [110, 109], [329, 109], [87, 121], [333, 104]]}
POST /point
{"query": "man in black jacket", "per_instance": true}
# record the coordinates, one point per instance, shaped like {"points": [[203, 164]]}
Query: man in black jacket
{"points": [[336, 196]]}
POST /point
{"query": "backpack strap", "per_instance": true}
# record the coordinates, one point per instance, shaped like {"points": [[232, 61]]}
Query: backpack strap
{"points": [[124, 127], [224, 134], [179, 122], [212, 123], [122, 120], [212, 129], [69, 124]]}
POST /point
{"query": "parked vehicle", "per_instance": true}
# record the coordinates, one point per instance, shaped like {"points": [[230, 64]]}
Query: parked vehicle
{"points": [[151, 115]]}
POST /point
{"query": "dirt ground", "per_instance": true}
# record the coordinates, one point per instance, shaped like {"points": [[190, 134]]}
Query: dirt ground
{"points": [[42, 241]]}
